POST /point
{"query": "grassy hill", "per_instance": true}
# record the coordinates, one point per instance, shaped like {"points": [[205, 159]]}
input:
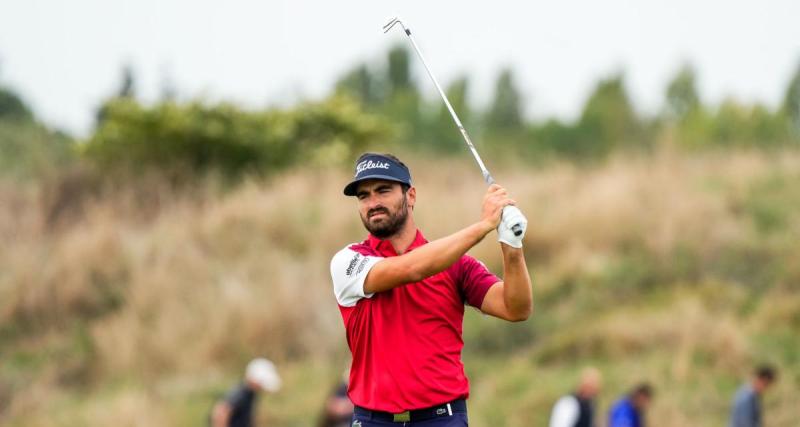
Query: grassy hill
{"points": [[138, 305]]}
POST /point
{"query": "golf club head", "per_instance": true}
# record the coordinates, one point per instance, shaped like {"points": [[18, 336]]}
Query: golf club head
{"points": [[392, 22]]}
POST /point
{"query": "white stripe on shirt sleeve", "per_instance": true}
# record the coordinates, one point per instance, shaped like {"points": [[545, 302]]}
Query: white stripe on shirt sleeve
{"points": [[349, 271]]}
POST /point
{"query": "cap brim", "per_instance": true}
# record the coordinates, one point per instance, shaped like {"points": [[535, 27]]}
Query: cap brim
{"points": [[350, 189]]}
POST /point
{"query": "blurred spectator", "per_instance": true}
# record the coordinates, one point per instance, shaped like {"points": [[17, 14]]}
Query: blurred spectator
{"points": [[236, 409], [629, 411], [577, 409], [338, 410], [746, 411]]}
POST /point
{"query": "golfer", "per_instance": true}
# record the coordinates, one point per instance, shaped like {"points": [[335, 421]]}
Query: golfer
{"points": [[402, 299]]}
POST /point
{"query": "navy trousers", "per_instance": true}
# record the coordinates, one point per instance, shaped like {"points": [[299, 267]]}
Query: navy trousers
{"points": [[458, 419]]}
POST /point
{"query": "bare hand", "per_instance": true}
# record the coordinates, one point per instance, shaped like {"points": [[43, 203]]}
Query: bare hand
{"points": [[493, 202]]}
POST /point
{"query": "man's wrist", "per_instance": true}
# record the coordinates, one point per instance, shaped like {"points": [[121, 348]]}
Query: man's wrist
{"points": [[510, 251], [486, 227]]}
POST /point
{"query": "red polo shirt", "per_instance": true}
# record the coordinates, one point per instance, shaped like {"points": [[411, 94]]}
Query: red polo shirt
{"points": [[406, 342]]}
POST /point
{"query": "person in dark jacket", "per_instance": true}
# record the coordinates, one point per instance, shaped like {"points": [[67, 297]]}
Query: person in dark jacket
{"points": [[746, 410], [577, 409], [629, 411], [236, 409], [338, 409]]}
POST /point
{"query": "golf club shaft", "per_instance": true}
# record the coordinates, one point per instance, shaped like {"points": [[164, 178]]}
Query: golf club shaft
{"points": [[486, 175], [516, 228]]}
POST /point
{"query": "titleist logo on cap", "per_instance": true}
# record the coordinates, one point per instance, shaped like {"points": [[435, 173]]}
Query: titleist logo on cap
{"points": [[369, 164]]}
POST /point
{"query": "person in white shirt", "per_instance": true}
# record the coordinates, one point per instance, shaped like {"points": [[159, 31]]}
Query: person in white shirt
{"points": [[577, 409]]}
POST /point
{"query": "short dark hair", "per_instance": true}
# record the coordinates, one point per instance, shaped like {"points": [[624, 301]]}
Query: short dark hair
{"points": [[766, 372], [643, 389]]}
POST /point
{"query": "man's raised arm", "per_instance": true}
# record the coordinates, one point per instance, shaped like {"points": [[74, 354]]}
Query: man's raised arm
{"points": [[511, 299], [440, 254]]}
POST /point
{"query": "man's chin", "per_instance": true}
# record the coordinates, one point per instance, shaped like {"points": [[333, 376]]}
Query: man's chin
{"points": [[380, 233], [376, 222]]}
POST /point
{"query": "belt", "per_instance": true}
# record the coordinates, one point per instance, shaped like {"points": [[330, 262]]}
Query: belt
{"points": [[443, 410]]}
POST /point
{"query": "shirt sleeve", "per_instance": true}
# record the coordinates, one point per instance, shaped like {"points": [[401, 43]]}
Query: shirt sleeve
{"points": [[565, 413], [349, 270], [475, 280]]}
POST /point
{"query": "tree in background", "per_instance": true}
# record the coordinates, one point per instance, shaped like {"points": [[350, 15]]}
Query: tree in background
{"points": [[128, 87], [608, 119], [127, 90], [684, 112], [747, 125], [445, 135], [399, 71], [403, 103], [12, 107], [791, 103], [505, 115], [27, 148], [682, 97], [362, 84]]}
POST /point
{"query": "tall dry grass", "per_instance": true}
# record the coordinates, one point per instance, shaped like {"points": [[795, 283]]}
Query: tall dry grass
{"points": [[141, 303]]}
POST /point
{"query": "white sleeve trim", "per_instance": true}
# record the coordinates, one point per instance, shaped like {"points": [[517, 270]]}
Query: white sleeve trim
{"points": [[349, 271], [565, 412]]}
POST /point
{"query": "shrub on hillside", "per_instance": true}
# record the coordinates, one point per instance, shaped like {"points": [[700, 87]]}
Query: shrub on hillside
{"points": [[197, 137], [29, 150]]}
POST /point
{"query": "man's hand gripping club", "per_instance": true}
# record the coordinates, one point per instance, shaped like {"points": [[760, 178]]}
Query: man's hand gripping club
{"points": [[500, 211]]}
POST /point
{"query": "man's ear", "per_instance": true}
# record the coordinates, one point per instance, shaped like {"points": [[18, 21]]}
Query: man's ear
{"points": [[412, 197]]}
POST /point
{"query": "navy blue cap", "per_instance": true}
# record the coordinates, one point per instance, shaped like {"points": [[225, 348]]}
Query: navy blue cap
{"points": [[377, 166]]}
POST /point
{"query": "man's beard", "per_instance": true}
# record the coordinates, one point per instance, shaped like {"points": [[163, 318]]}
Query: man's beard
{"points": [[391, 224]]}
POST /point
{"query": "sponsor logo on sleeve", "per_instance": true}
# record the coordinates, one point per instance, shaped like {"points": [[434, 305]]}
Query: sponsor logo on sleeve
{"points": [[352, 264], [361, 265]]}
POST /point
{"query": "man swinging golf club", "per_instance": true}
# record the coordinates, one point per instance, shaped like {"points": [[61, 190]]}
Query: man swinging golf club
{"points": [[402, 298]]}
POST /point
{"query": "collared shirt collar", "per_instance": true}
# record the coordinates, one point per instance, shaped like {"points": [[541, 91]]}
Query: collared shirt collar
{"points": [[385, 247]]}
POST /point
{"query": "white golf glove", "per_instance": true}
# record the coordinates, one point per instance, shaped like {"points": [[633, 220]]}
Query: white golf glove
{"points": [[511, 216]]}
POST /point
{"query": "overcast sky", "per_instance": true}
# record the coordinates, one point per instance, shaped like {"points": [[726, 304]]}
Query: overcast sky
{"points": [[64, 57]]}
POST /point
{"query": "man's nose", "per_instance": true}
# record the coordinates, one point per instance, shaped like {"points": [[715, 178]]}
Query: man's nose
{"points": [[371, 200], [373, 203]]}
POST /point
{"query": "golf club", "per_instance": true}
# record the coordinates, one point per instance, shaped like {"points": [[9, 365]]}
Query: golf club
{"points": [[516, 228]]}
